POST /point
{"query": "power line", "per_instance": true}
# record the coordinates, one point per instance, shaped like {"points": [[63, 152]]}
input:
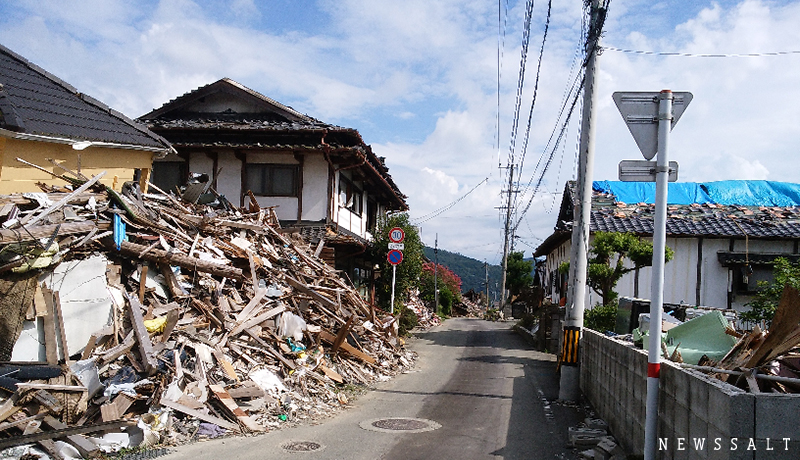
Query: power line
{"points": [[447, 207], [502, 21], [592, 34], [550, 157], [569, 88], [700, 55], [535, 90], [526, 37]]}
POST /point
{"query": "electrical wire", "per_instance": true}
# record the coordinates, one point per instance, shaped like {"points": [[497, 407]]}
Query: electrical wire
{"points": [[526, 37], [700, 55], [549, 159], [447, 207], [571, 88], [592, 33], [535, 91], [502, 22]]}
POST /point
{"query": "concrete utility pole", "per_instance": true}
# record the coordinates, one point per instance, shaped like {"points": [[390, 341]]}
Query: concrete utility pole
{"points": [[569, 389], [506, 237], [486, 268], [436, 273]]}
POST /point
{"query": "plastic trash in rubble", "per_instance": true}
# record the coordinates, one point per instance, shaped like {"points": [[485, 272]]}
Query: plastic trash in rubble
{"points": [[153, 424], [296, 347], [87, 373], [291, 325], [268, 381], [273, 291], [112, 442], [119, 231]]}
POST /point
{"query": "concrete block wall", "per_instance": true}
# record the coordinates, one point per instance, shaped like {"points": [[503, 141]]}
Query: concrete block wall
{"points": [[692, 407]]}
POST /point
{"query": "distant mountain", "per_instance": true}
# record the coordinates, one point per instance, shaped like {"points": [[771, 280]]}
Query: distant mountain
{"points": [[471, 271]]}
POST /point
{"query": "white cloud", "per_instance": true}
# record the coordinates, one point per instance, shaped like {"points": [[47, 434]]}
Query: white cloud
{"points": [[427, 70]]}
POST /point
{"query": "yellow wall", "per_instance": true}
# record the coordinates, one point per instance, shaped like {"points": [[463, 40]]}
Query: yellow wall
{"points": [[2, 154], [16, 177]]}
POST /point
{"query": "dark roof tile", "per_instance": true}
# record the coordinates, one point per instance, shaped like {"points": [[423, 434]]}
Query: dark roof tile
{"points": [[34, 101]]}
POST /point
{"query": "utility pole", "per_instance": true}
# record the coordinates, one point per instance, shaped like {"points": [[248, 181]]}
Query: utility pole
{"points": [[569, 389], [506, 236], [436, 274], [486, 268]]}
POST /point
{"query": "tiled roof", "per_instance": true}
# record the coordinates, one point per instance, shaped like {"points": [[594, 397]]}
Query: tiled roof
{"points": [[190, 121], [33, 101], [693, 220], [708, 220]]}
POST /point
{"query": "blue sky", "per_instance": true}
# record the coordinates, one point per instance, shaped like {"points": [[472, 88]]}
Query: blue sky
{"points": [[418, 79]]}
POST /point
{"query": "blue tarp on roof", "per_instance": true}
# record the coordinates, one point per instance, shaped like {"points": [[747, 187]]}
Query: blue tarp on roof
{"points": [[728, 192], [645, 192]]}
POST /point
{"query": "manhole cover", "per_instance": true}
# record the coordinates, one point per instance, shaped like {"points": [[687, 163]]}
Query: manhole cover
{"points": [[400, 424], [301, 446], [404, 424]]}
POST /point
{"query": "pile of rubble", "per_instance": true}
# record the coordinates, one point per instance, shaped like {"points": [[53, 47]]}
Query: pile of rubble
{"points": [[426, 318], [755, 360], [592, 440], [182, 319], [764, 361]]}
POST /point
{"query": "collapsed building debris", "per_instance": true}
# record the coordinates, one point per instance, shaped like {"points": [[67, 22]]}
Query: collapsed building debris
{"points": [[175, 319], [756, 360]]}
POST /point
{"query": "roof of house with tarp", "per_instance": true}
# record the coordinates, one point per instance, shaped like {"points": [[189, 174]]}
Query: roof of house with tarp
{"points": [[734, 208]]}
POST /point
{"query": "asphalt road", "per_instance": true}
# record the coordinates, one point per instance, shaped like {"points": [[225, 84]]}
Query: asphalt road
{"points": [[490, 395]]}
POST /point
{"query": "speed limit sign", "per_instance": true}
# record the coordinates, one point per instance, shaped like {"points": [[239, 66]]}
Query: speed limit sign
{"points": [[396, 235]]}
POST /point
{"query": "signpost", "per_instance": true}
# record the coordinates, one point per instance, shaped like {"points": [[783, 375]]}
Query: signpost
{"points": [[395, 256], [650, 118]]}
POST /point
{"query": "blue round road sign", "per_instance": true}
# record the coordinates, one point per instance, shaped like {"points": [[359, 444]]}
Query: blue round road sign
{"points": [[394, 257]]}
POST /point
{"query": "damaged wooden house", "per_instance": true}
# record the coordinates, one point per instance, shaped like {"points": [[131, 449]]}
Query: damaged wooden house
{"points": [[321, 180], [134, 317]]}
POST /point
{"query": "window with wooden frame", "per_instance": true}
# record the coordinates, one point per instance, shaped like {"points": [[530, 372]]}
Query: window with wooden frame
{"points": [[350, 196], [268, 179], [372, 215]]}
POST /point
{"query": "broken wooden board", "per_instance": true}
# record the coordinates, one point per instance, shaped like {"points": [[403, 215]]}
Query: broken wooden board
{"points": [[142, 336], [783, 332], [330, 338], [199, 415], [114, 410], [331, 374], [70, 432], [84, 446], [227, 401]]}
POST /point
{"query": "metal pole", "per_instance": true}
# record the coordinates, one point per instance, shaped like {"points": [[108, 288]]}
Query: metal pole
{"points": [[394, 274], [436, 274], [569, 389], [657, 283]]}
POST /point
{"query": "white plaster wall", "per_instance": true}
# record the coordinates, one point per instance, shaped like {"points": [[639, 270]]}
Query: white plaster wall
{"points": [[286, 207], [315, 188], [200, 163], [680, 274], [229, 181], [275, 158]]}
